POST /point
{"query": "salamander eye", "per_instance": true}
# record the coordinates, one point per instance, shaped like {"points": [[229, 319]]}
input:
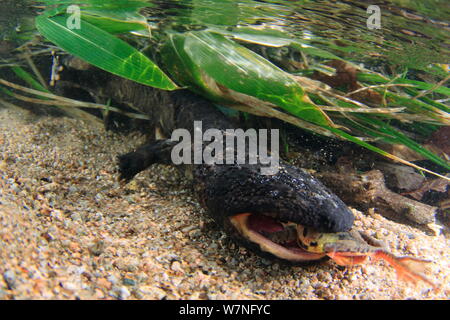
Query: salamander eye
{"points": [[313, 244]]}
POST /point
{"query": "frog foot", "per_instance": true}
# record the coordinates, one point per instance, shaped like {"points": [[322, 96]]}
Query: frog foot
{"points": [[408, 268]]}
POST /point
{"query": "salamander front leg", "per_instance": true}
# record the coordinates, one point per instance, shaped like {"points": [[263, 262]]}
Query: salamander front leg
{"points": [[134, 162]]}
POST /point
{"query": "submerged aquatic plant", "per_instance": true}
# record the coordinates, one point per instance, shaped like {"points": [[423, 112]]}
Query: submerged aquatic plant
{"points": [[323, 92]]}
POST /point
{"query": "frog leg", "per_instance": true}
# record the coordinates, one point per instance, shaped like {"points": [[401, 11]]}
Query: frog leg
{"points": [[408, 268], [347, 259], [349, 251]]}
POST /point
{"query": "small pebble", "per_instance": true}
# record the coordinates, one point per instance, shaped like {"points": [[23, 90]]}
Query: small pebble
{"points": [[10, 278], [97, 248], [69, 286], [123, 293], [129, 282], [176, 266], [75, 216], [112, 279]]}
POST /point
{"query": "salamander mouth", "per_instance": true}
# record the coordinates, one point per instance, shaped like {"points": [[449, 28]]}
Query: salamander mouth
{"points": [[273, 236]]}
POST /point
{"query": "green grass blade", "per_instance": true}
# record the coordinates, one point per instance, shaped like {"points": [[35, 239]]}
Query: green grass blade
{"points": [[28, 78], [374, 127], [370, 147], [374, 78], [103, 50], [399, 137], [414, 93], [419, 107], [422, 105]]}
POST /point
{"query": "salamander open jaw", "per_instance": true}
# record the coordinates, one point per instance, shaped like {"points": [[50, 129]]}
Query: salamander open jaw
{"points": [[263, 231]]}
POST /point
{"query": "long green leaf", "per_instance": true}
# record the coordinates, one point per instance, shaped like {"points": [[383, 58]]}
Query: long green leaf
{"points": [[221, 68], [117, 20], [273, 38], [103, 50]]}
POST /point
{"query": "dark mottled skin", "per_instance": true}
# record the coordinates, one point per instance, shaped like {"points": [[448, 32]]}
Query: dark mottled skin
{"points": [[291, 193], [225, 190]]}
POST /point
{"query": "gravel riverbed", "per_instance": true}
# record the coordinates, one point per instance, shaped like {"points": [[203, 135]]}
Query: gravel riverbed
{"points": [[69, 230]]}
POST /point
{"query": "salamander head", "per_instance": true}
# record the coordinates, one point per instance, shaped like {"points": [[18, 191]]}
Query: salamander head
{"points": [[262, 212]]}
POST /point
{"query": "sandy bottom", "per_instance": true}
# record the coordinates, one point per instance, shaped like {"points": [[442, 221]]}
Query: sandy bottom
{"points": [[69, 230]]}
